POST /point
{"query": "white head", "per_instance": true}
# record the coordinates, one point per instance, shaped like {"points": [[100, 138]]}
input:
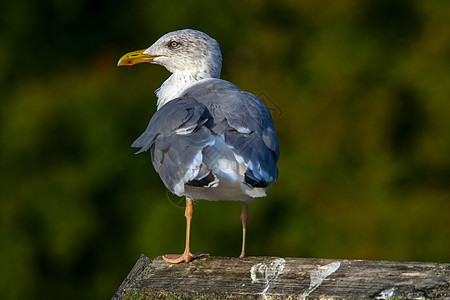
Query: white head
{"points": [[186, 51], [190, 56]]}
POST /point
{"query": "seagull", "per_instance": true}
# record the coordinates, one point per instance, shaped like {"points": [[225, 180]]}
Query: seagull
{"points": [[208, 139]]}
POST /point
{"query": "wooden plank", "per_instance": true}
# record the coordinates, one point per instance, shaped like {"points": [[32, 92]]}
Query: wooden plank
{"points": [[285, 278]]}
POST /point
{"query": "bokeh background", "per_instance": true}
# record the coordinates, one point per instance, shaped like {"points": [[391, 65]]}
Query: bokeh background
{"points": [[360, 92]]}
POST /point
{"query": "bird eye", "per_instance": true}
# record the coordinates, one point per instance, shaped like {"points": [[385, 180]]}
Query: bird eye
{"points": [[174, 44]]}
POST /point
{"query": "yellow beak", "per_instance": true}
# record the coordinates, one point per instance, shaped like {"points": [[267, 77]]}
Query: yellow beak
{"points": [[135, 57]]}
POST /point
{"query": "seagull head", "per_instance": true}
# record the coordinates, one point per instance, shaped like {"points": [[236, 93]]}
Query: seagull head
{"points": [[184, 51]]}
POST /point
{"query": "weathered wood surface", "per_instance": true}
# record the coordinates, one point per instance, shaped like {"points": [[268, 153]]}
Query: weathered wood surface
{"points": [[285, 278]]}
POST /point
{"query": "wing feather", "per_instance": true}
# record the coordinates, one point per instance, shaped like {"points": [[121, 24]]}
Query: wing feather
{"points": [[186, 137], [246, 124], [176, 136]]}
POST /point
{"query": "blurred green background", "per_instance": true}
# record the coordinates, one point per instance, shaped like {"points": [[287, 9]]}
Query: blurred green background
{"points": [[360, 92]]}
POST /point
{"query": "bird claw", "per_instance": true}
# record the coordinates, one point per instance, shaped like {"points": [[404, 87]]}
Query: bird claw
{"points": [[185, 257]]}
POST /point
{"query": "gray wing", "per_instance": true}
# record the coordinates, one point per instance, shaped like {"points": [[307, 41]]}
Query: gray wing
{"points": [[246, 124], [176, 136]]}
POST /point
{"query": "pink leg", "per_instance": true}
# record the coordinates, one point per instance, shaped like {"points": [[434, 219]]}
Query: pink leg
{"points": [[244, 218], [187, 256]]}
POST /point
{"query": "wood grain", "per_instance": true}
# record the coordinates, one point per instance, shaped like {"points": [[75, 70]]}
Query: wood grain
{"points": [[285, 278]]}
